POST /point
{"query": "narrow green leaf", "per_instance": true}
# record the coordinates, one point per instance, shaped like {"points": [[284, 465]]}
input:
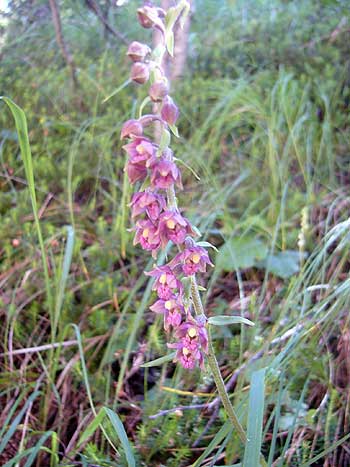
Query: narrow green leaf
{"points": [[255, 419], [17, 420], [120, 88], [224, 431], [159, 361], [322, 454], [37, 448], [174, 130], [120, 430], [67, 259], [22, 131], [207, 245], [92, 427], [170, 43], [223, 320]]}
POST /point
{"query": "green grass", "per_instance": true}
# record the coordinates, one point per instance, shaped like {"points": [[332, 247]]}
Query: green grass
{"points": [[265, 125]]}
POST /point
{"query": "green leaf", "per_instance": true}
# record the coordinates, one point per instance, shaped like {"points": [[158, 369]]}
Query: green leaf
{"points": [[92, 427], [255, 419], [17, 420], [283, 264], [170, 42], [159, 361], [174, 130], [207, 245], [22, 131], [241, 253], [224, 431], [120, 430], [223, 320]]}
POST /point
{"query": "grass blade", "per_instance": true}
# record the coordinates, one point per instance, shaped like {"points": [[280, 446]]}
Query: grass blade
{"points": [[22, 130], [255, 419], [120, 430], [16, 421]]}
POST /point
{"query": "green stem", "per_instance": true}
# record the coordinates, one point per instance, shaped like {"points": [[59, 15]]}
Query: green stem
{"points": [[214, 366], [215, 370]]}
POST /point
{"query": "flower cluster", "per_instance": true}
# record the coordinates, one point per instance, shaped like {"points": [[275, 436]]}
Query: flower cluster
{"points": [[158, 220]]}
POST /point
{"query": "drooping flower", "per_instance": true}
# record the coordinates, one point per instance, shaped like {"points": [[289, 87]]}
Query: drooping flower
{"points": [[166, 283], [158, 90], [172, 309], [169, 111], [136, 172], [131, 129], [147, 235], [137, 52], [174, 227], [150, 16], [164, 174], [139, 73], [140, 151], [193, 259], [193, 334], [150, 203], [186, 356]]}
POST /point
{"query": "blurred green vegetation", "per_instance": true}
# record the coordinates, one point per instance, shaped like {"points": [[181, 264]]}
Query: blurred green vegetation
{"points": [[264, 104]]}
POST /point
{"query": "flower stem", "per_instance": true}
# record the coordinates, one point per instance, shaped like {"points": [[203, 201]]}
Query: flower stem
{"points": [[214, 366], [215, 370]]}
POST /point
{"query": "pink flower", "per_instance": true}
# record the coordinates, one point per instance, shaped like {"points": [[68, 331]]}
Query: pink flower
{"points": [[172, 310], [147, 235], [140, 151], [137, 52], [136, 172], [150, 16], [150, 203], [164, 173], [174, 227], [169, 112], [139, 73], [193, 335], [131, 128], [158, 91], [166, 283], [187, 357], [193, 259]]}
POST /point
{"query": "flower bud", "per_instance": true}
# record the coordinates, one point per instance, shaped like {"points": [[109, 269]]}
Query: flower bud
{"points": [[150, 16], [139, 73], [169, 112], [137, 52], [131, 128], [158, 91]]}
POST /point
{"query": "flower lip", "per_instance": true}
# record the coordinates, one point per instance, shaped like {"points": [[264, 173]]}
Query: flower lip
{"points": [[164, 174]]}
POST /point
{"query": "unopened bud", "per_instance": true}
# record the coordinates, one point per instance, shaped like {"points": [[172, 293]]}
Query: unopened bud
{"points": [[169, 112], [139, 73], [131, 128], [137, 52], [158, 91], [150, 17]]}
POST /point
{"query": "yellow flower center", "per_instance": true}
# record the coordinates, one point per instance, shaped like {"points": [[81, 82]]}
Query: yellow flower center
{"points": [[145, 233], [192, 332], [196, 258], [162, 279], [163, 173], [168, 305], [170, 224], [140, 149], [186, 351]]}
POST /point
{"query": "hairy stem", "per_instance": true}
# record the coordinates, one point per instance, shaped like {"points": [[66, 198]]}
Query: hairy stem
{"points": [[214, 366]]}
